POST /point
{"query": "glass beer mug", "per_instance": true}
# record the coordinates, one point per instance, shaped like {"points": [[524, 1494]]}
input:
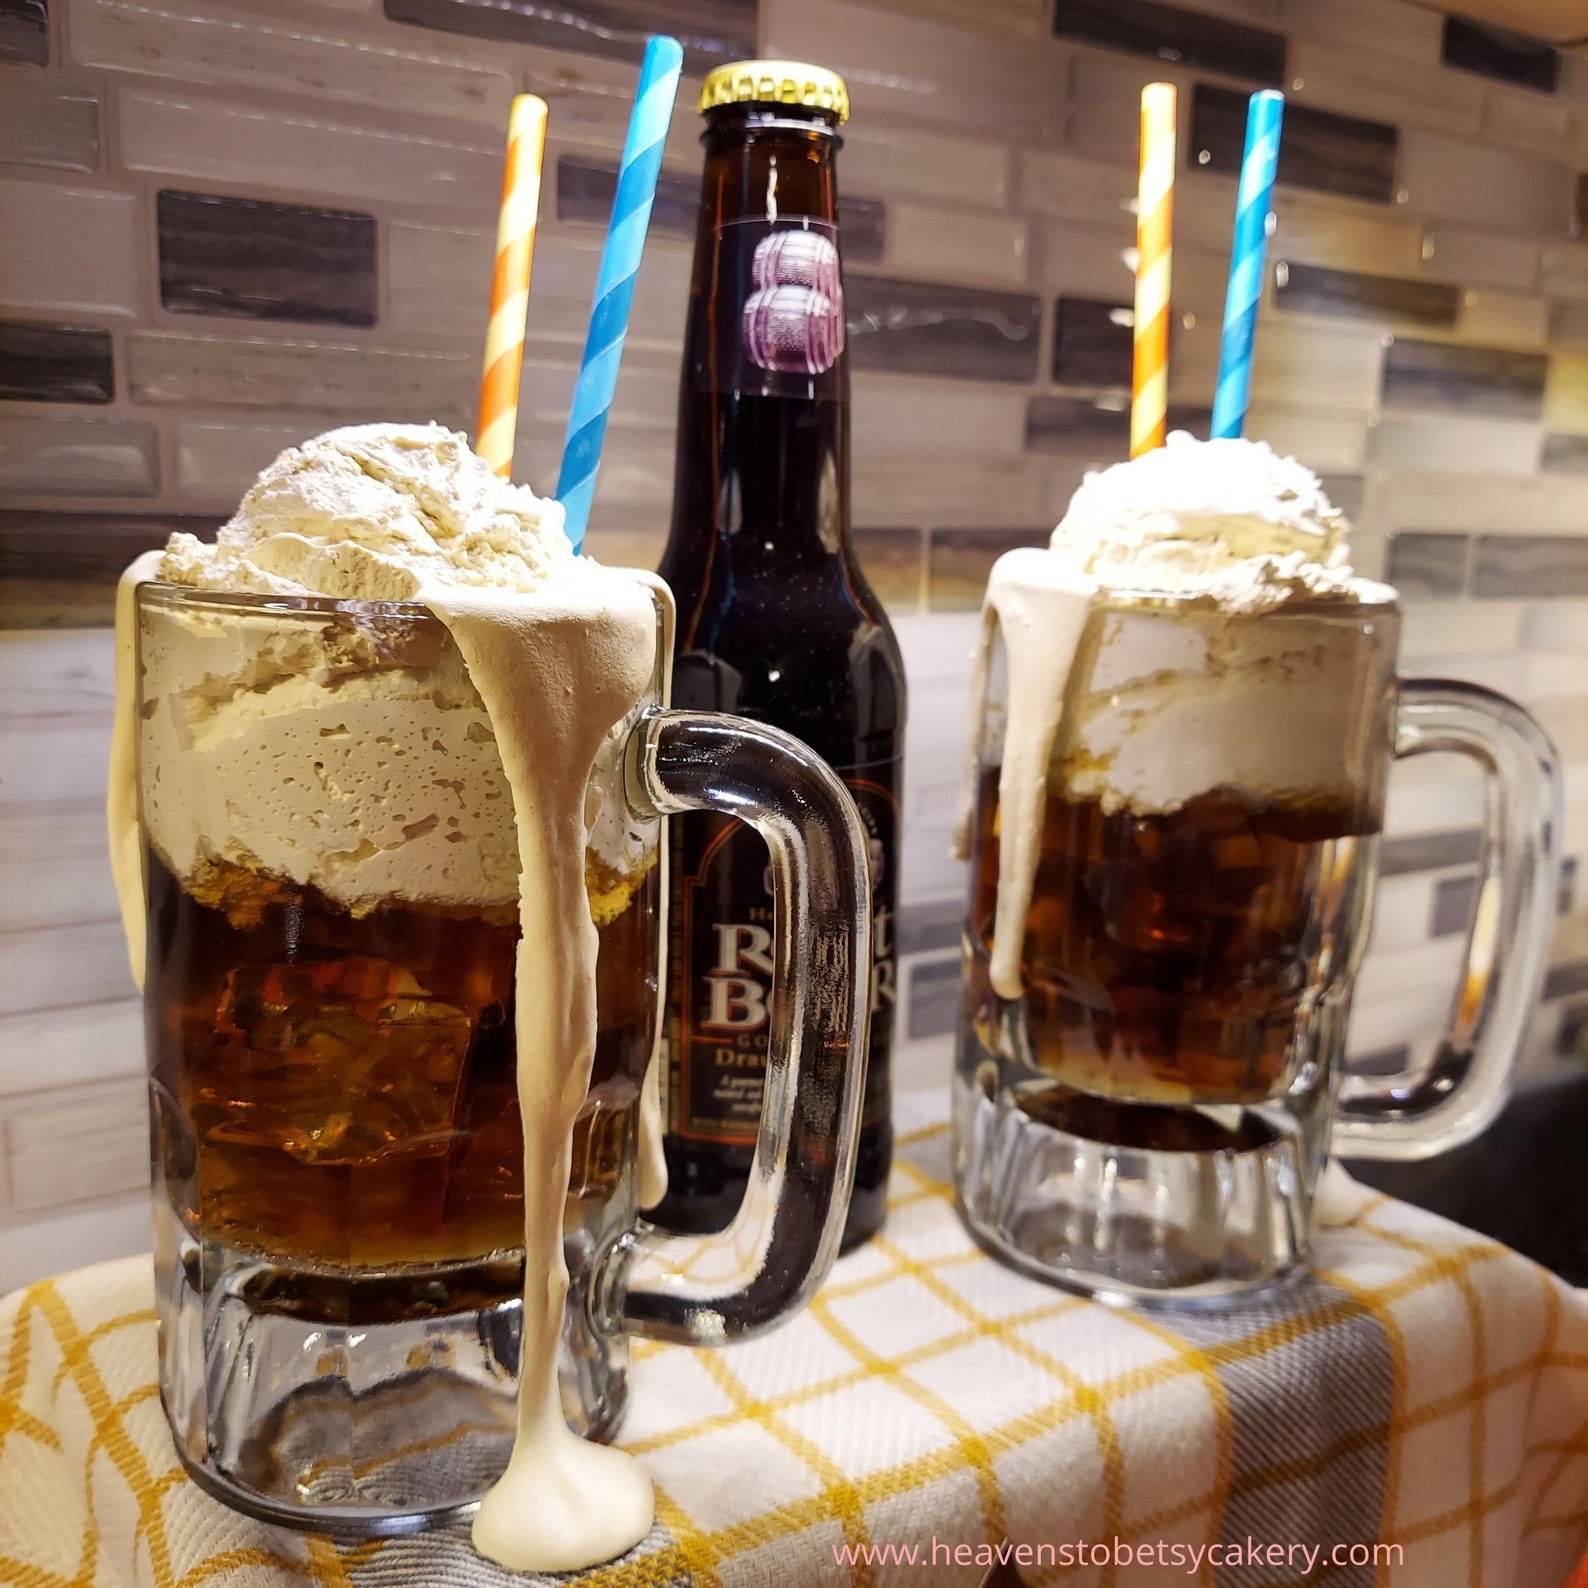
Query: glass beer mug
{"points": [[338, 1155], [1145, 1114]]}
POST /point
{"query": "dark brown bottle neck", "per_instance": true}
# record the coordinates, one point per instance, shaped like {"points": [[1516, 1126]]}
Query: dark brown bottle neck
{"points": [[763, 426]]}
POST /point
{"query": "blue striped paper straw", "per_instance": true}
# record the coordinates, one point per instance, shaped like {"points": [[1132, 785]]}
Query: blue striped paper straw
{"points": [[1264, 113], [614, 292]]}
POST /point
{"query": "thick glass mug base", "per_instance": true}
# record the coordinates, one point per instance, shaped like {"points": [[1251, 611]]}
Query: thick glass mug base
{"points": [[359, 1407], [1140, 1203]]}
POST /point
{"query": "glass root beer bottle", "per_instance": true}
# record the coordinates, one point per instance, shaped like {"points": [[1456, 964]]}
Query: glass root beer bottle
{"points": [[775, 619]]}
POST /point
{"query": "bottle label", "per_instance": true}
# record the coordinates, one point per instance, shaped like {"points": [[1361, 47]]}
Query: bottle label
{"points": [[720, 965], [787, 336]]}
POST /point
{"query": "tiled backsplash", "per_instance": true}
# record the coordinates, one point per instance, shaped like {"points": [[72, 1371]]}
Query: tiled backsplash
{"points": [[226, 225]]}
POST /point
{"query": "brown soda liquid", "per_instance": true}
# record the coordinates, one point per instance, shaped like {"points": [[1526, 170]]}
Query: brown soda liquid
{"points": [[1167, 959], [338, 1093]]}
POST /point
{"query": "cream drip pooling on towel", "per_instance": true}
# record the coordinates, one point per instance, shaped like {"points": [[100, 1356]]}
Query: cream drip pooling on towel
{"points": [[1155, 575], [556, 653]]}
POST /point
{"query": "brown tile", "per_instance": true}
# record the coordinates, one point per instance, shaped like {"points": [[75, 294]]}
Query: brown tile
{"points": [[959, 560], [1498, 53], [60, 569], [1172, 33], [894, 563]]}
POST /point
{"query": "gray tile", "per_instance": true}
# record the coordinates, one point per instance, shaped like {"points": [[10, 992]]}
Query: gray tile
{"points": [[1568, 323], [1091, 342], [585, 188], [1562, 980], [55, 363], [1454, 898], [1451, 179], [919, 327], [1171, 33], [1481, 380], [934, 995], [1099, 425], [1321, 150], [1565, 454], [1352, 294], [25, 32], [1429, 851], [931, 924], [78, 457], [253, 260], [1419, 564], [1530, 565], [1498, 53], [711, 31], [1566, 892], [1346, 492], [42, 126]]}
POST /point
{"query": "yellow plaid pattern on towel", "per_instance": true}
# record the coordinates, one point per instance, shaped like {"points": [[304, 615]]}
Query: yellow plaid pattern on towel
{"points": [[1427, 1389]]}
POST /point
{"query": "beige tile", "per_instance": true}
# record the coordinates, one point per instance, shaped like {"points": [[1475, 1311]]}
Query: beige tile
{"points": [[1327, 367], [1454, 253], [74, 1145], [217, 460], [936, 490], [78, 457], [1457, 443], [894, 563], [91, 1043], [438, 278], [924, 240], [959, 560], [1316, 232], [1388, 88], [1566, 394], [1525, 119], [1004, 86], [1437, 496], [166, 367], [1326, 443], [1565, 270], [1448, 179], [1393, 26], [57, 675], [1088, 261], [647, 390], [259, 49], [1004, 16], [564, 279], [907, 415], [1103, 112], [1100, 193], [250, 141], [1502, 319], [881, 159], [67, 248]]}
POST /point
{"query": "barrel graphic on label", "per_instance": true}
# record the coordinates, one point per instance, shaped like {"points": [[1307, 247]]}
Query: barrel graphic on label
{"points": [[794, 320]]}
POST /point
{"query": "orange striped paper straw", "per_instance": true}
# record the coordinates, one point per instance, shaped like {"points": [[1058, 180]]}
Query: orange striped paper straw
{"points": [[1149, 384], [515, 248]]}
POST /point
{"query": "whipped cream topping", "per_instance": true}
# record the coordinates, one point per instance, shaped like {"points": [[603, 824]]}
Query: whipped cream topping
{"points": [[272, 751], [1140, 673]]}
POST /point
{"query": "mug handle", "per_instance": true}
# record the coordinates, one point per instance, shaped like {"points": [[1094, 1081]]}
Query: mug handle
{"points": [[708, 1290], [1453, 1099]]}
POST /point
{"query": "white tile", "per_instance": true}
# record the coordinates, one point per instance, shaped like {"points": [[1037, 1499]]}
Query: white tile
{"points": [[1457, 443], [881, 159], [55, 869], [279, 373], [1394, 26], [1326, 443], [1433, 964], [951, 493], [63, 1241], [60, 967], [76, 1145], [1432, 794], [252, 141], [1525, 119], [1386, 88], [940, 74], [406, 69], [438, 278], [1556, 626], [1088, 261], [49, 759], [1444, 498], [78, 457], [217, 460], [564, 279], [1448, 179], [57, 673], [1432, 628], [67, 248], [923, 240], [65, 1047], [912, 416], [1454, 253], [1402, 909]]}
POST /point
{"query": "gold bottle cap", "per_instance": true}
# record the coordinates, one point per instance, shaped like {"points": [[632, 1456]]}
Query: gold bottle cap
{"points": [[775, 83]]}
